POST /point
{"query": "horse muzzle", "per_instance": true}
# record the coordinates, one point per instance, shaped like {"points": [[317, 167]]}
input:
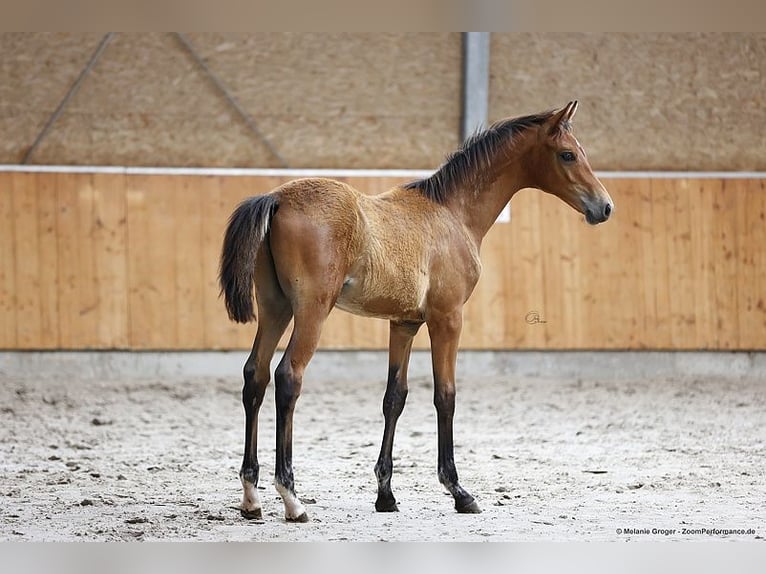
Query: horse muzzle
{"points": [[595, 214]]}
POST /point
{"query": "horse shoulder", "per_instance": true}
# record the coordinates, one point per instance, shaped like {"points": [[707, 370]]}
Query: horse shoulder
{"points": [[455, 265]]}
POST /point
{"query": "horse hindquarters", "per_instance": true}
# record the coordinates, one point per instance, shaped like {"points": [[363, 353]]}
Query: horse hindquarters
{"points": [[309, 265]]}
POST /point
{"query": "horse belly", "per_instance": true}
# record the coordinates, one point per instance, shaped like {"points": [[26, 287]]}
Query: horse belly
{"points": [[403, 302]]}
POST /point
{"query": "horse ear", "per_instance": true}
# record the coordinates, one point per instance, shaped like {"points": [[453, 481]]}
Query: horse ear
{"points": [[561, 117], [572, 106]]}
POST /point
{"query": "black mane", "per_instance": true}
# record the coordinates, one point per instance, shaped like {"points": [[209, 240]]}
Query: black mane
{"points": [[470, 163]]}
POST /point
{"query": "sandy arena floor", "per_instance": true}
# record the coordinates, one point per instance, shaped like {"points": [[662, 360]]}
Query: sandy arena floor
{"points": [[546, 460]]}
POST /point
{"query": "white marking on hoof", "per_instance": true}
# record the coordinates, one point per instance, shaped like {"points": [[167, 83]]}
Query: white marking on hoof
{"points": [[294, 510], [251, 503]]}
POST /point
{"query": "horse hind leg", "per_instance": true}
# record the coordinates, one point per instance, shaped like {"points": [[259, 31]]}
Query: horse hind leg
{"points": [[272, 323], [288, 381], [274, 314]]}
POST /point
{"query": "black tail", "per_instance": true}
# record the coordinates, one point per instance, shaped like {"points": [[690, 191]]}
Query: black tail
{"points": [[247, 229]]}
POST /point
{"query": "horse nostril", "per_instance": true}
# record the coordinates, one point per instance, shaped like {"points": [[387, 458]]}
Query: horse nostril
{"points": [[607, 210]]}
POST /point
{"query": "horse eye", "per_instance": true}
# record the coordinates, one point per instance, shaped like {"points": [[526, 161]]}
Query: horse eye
{"points": [[567, 156]]}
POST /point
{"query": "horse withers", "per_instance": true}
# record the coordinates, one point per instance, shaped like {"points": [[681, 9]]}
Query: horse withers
{"points": [[409, 255]]}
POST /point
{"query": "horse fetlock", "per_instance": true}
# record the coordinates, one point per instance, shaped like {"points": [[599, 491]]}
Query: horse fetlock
{"points": [[383, 472], [251, 503], [385, 501], [294, 510], [448, 478], [249, 474]]}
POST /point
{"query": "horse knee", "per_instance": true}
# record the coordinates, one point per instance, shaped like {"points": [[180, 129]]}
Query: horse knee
{"points": [[250, 472]]}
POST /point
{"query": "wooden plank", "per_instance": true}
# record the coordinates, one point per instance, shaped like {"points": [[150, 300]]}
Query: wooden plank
{"points": [[649, 271], [701, 214], [48, 260], [726, 292], [625, 257], [78, 297], [632, 258], [8, 304], [110, 240], [214, 217], [570, 247], [151, 263], [189, 192], [87, 284], [525, 273], [751, 262], [67, 255], [27, 259], [139, 319], [553, 237], [661, 223], [681, 273]]}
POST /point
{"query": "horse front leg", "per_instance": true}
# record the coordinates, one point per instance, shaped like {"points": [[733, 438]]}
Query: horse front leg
{"points": [[399, 349], [444, 330]]}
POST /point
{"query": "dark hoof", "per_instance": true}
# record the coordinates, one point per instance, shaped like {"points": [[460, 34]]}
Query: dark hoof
{"points": [[251, 514], [468, 507], [386, 505], [302, 518]]}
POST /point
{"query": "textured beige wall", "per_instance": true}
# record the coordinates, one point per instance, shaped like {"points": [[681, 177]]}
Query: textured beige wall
{"points": [[35, 72], [322, 100], [648, 101]]}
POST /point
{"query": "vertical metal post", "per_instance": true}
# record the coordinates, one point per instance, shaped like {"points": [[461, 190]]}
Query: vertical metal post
{"points": [[475, 82]]}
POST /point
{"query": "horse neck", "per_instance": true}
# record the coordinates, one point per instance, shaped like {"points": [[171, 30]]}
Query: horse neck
{"points": [[479, 207]]}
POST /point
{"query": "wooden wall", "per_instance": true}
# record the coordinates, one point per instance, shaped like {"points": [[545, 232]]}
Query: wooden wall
{"points": [[102, 261]]}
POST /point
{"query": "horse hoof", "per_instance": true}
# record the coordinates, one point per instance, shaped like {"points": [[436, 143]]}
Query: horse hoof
{"points": [[251, 514], [301, 518], [468, 508], [387, 506]]}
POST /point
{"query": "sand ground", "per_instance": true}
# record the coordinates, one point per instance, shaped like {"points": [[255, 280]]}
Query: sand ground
{"points": [[157, 459]]}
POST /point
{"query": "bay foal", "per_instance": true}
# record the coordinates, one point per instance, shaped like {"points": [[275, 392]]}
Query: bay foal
{"points": [[409, 255]]}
